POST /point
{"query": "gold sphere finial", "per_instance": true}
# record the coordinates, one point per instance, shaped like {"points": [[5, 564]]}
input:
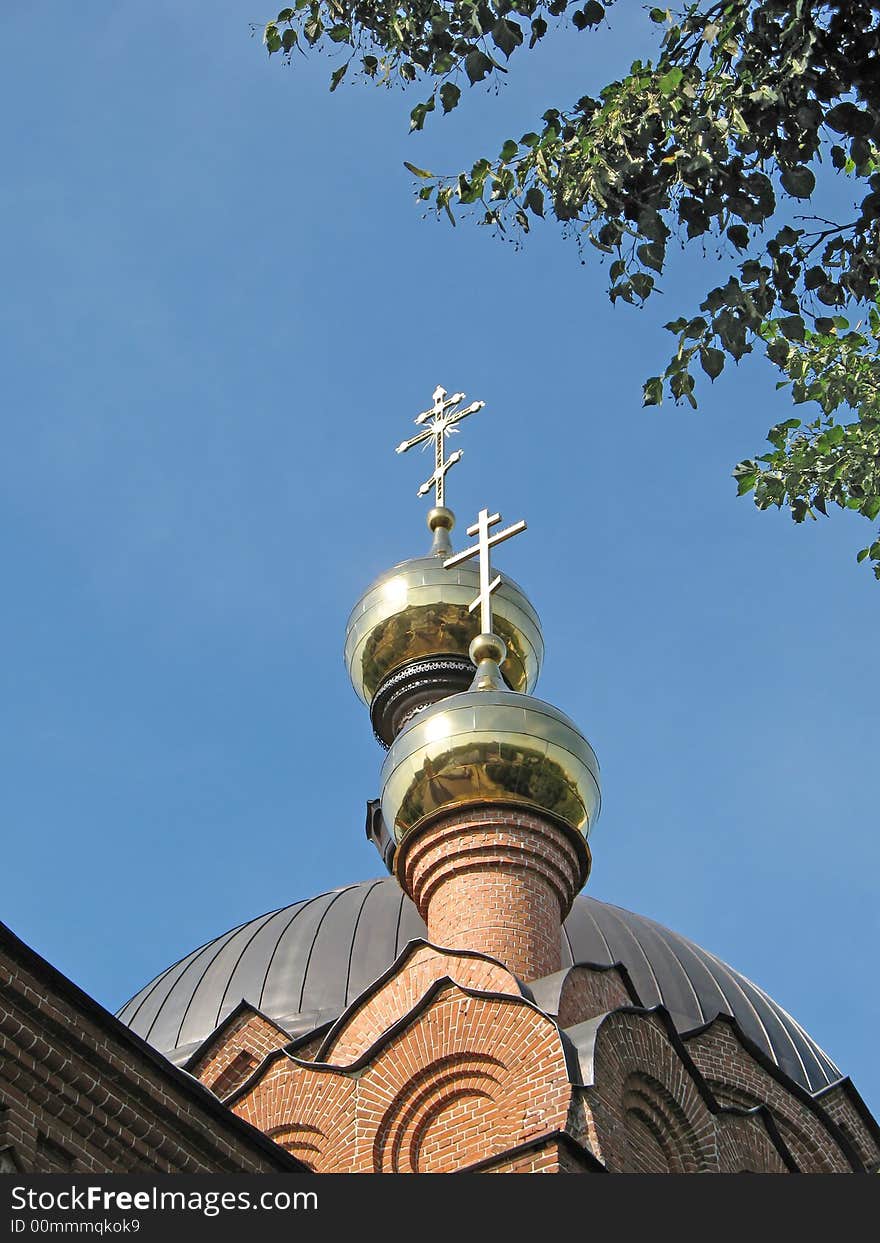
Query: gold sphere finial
{"points": [[488, 647], [439, 516], [488, 652], [440, 522]]}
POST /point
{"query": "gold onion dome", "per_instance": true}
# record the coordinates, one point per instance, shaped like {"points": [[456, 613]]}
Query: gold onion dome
{"points": [[490, 745], [407, 638]]}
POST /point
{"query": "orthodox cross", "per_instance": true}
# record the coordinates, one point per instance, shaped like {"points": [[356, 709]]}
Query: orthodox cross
{"points": [[482, 549], [440, 421]]}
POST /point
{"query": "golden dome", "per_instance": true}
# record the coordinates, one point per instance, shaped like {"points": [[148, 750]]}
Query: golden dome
{"points": [[418, 610], [490, 746]]}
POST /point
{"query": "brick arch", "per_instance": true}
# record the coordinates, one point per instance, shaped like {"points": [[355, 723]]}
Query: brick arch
{"points": [[733, 1094], [471, 1076], [302, 1141], [650, 1107], [452, 1091], [316, 1109], [744, 1147]]}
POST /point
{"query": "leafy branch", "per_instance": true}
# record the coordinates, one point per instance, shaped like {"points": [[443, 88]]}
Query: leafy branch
{"points": [[747, 104]]}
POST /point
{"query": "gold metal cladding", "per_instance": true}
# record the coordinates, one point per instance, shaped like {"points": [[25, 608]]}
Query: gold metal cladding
{"points": [[418, 610], [485, 747]]}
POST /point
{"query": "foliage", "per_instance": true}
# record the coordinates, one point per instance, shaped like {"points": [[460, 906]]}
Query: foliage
{"points": [[717, 139]]}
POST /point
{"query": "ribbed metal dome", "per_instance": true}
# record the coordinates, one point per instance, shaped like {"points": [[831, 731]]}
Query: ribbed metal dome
{"points": [[302, 965]]}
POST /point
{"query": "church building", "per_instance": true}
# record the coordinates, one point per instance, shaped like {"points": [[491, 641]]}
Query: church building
{"points": [[470, 1011]]}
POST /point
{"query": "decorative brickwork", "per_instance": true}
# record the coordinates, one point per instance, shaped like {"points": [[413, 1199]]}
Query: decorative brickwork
{"points": [[386, 1003], [79, 1092], [445, 1064], [737, 1078], [465, 1077], [648, 1109], [843, 1105], [235, 1050], [497, 880]]}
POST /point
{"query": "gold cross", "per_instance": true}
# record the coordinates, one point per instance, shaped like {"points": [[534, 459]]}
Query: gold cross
{"points": [[441, 420], [482, 549]]}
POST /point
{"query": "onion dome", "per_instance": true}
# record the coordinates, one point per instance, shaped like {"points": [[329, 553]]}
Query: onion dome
{"points": [[490, 745], [407, 638], [303, 964]]}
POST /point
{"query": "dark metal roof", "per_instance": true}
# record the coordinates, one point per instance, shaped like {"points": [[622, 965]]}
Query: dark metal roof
{"points": [[302, 965]]}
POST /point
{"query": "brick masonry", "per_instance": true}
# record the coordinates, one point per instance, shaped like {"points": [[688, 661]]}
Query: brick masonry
{"points": [[495, 880], [465, 1076], [446, 1064], [81, 1093]]}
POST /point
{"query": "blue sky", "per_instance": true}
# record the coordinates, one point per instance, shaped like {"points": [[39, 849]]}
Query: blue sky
{"points": [[222, 309]]}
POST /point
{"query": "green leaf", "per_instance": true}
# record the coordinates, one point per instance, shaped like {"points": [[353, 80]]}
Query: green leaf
{"points": [[419, 113], [590, 15], [779, 434], [739, 235], [799, 182], [848, 119], [337, 75], [450, 94], [712, 361], [792, 327], [652, 226], [652, 393], [418, 172], [506, 36], [535, 200], [670, 81], [476, 65], [778, 352], [652, 255], [340, 33], [509, 151]]}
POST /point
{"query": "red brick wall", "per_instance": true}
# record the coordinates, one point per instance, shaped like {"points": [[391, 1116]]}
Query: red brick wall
{"points": [[735, 1078], [838, 1104], [236, 1052], [466, 1077], [79, 1092], [385, 1005], [649, 1113]]}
